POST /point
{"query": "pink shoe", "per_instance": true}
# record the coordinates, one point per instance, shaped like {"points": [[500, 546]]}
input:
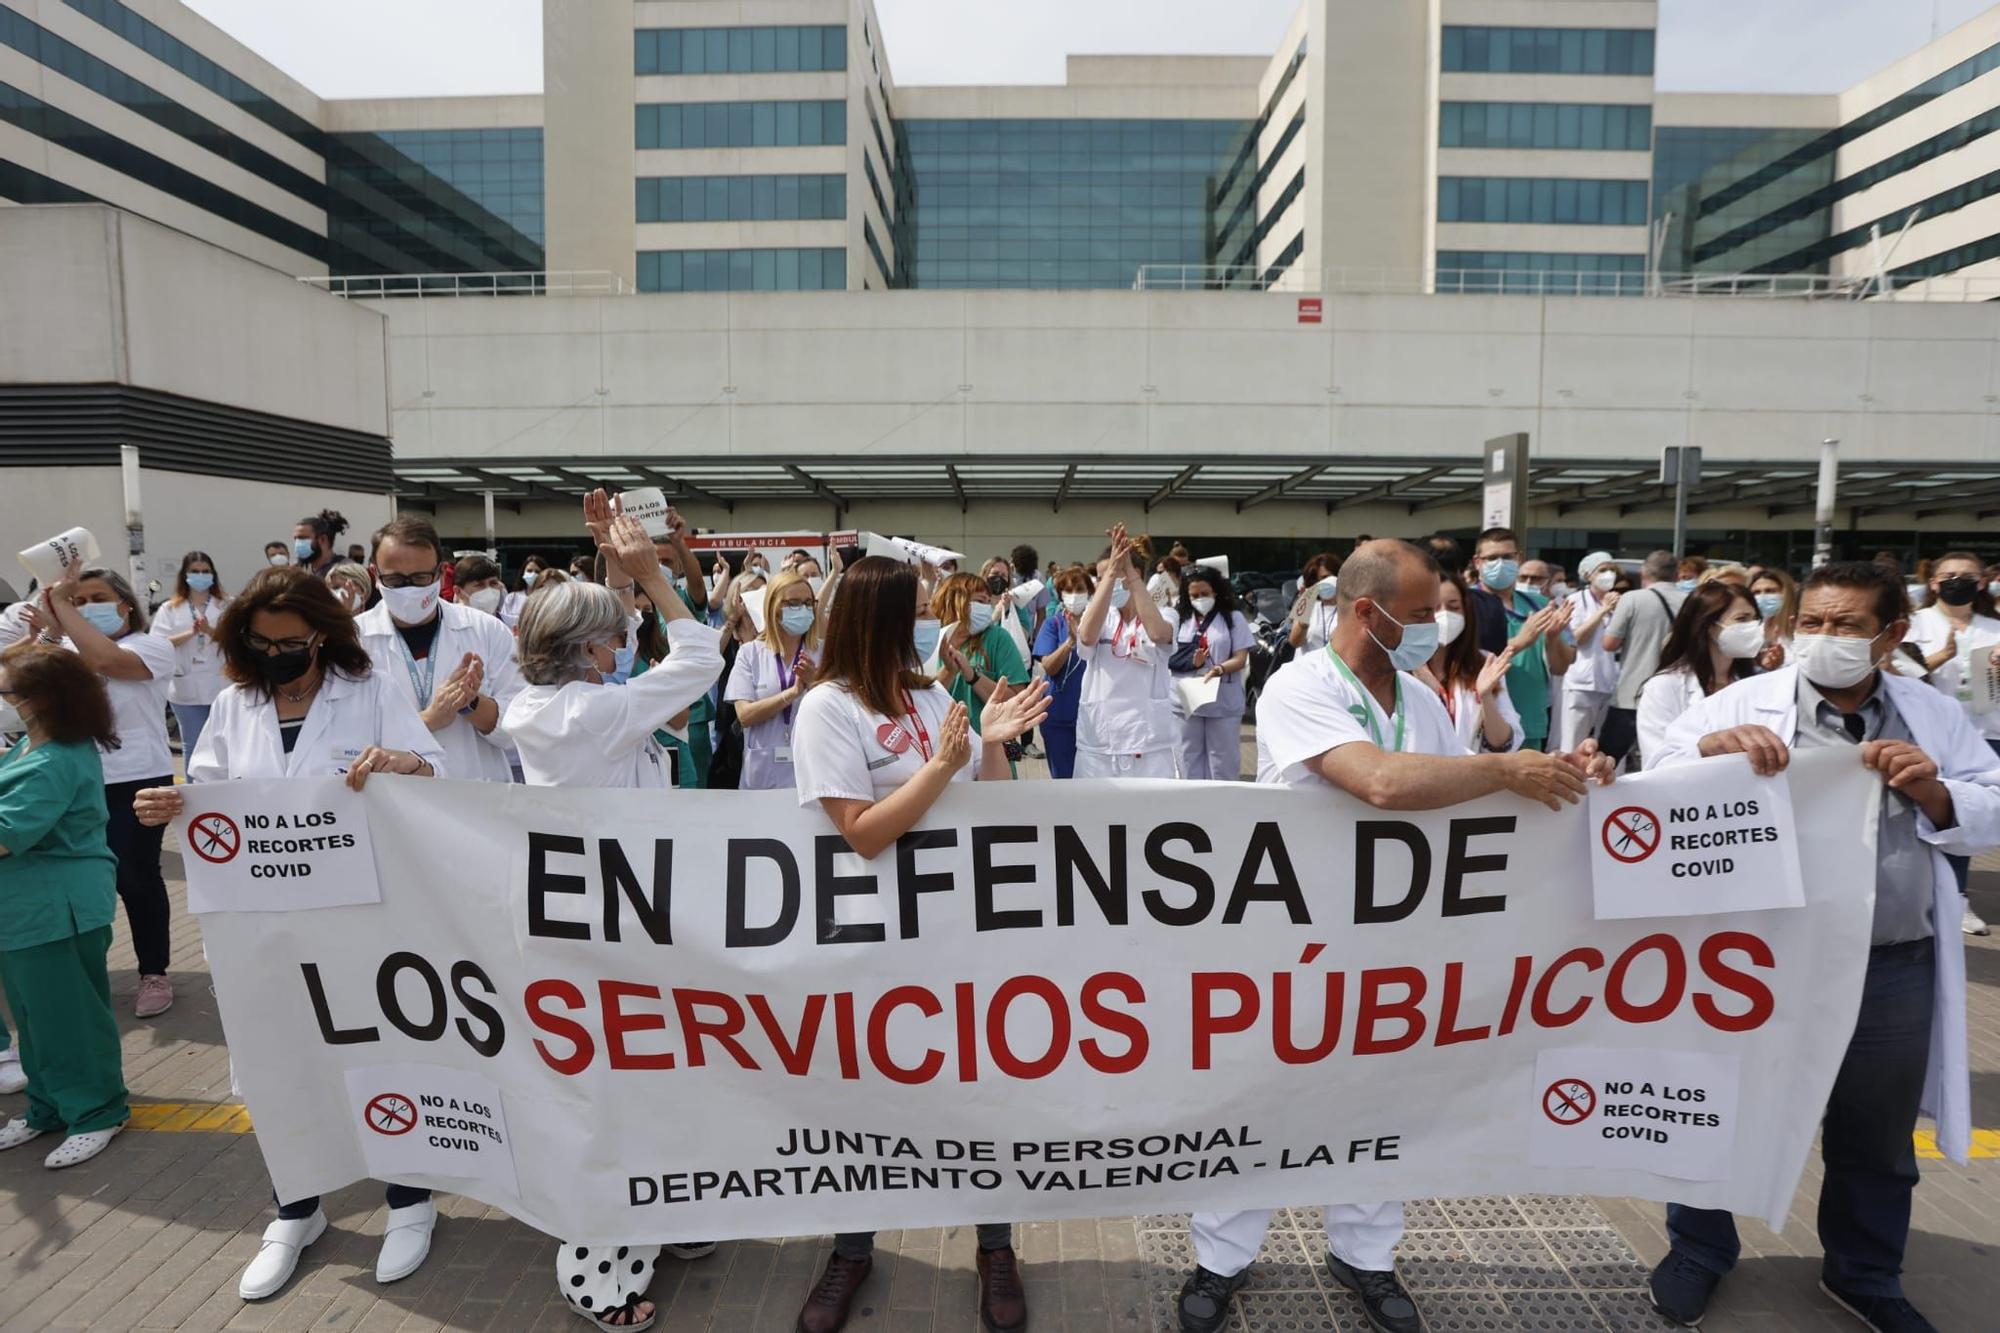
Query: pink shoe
{"points": [[156, 996]]}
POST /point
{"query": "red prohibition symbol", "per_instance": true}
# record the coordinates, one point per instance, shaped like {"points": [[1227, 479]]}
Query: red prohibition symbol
{"points": [[214, 838], [391, 1113], [1568, 1101], [1632, 834]]}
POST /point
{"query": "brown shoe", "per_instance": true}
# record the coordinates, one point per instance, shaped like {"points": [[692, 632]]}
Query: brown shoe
{"points": [[1003, 1301], [825, 1310]]}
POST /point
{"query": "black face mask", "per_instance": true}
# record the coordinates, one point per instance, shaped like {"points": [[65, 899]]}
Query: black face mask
{"points": [[1958, 590], [284, 668], [997, 584]]}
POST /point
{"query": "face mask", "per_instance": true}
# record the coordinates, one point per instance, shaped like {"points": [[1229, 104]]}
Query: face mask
{"points": [[1604, 580], [1450, 625], [1833, 660], [200, 582], [104, 617], [1769, 604], [1074, 602], [795, 620], [926, 638], [1499, 573], [283, 668], [1419, 641], [758, 569], [1688, 585], [302, 548], [997, 584], [1958, 590], [1745, 638], [1203, 605], [981, 616], [1327, 588], [1993, 591], [411, 606], [279, 558], [528, 577], [1120, 595], [485, 600], [817, 584], [1558, 591]]}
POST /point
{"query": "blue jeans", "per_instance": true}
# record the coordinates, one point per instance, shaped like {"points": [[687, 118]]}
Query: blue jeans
{"points": [[193, 719], [1871, 1164], [1059, 744]]}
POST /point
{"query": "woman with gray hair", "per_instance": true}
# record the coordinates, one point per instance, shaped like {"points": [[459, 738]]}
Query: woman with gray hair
{"points": [[96, 613], [576, 727]]}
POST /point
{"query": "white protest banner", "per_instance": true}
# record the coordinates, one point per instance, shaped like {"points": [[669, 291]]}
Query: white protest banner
{"points": [[276, 846], [701, 1016], [906, 551], [1694, 840]]}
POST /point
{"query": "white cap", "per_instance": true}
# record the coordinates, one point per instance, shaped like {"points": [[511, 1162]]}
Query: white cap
{"points": [[1589, 564]]}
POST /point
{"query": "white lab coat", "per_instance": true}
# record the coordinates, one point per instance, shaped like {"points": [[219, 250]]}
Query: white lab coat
{"points": [[347, 716], [1664, 700], [462, 630], [584, 735], [1972, 774]]}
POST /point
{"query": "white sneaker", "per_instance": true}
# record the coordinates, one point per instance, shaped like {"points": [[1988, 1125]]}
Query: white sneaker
{"points": [[1971, 923], [17, 1132], [284, 1240], [406, 1243], [80, 1148], [12, 1077]]}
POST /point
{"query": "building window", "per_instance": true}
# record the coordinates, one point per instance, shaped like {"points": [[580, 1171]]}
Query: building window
{"points": [[1559, 201], [741, 124], [816, 198], [780, 50], [1474, 50], [814, 270], [1535, 273], [1617, 128]]}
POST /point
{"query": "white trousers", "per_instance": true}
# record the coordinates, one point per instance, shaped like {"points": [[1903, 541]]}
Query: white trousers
{"points": [[1212, 748], [1581, 715], [1362, 1235], [1152, 764]]}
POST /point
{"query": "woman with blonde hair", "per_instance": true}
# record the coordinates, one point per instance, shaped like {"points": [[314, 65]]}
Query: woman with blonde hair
{"points": [[353, 586], [772, 672]]}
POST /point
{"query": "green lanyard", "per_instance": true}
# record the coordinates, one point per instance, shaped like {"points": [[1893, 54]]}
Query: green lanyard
{"points": [[1364, 712]]}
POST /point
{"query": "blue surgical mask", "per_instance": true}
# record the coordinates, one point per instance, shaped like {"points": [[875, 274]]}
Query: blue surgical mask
{"points": [[201, 582], [528, 577], [302, 548], [1499, 573], [104, 617], [926, 638], [1419, 642], [795, 619], [1769, 604], [1688, 585], [1120, 594], [981, 615], [621, 662]]}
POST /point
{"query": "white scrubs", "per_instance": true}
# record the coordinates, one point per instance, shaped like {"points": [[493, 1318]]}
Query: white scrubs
{"points": [[1125, 717], [848, 752], [1304, 712], [1591, 678], [1929, 630], [1212, 737], [767, 747]]}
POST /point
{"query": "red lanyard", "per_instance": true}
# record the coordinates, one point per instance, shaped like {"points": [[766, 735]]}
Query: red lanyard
{"points": [[1450, 696], [918, 731]]}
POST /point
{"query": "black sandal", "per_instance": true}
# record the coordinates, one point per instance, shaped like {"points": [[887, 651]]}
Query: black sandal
{"points": [[622, 1318]]}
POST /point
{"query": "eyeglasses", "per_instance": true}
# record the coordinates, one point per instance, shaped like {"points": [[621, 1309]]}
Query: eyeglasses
{"points": [[421, 579], [257, 643]]}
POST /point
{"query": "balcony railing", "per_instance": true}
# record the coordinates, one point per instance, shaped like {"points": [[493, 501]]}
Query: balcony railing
{"points": [[372, 286]]}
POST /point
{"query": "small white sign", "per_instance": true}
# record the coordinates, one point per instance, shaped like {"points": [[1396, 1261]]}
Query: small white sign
{"points": [[430, 1120], [285, 845], [1694, 840], [907, 551], [1982, 690], [1669, 1112], [648, 504]]}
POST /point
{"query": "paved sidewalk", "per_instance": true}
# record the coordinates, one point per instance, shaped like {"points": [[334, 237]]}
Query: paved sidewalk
{"points": [[153, 1233]]}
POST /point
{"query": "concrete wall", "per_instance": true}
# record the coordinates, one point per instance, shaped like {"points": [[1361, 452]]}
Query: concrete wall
{"points": [[508, 111], [119, 299]]}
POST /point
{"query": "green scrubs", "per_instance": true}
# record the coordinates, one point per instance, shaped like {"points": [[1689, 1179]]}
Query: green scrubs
{"points": [[58, 895], [994, 656]]}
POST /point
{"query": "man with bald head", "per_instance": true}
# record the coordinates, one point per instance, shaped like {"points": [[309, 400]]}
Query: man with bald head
{"points": [[1354, 718]]}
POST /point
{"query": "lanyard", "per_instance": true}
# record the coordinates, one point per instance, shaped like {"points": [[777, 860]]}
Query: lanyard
{"points": [[1364, 712], [423, 684], [918, 731], [785, 677]]}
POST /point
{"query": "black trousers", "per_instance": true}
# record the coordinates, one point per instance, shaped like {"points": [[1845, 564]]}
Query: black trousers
{"points": [[140, 885]]}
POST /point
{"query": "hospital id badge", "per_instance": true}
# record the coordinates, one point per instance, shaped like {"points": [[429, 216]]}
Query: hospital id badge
{"points": [[782, 755], [343, 758]]}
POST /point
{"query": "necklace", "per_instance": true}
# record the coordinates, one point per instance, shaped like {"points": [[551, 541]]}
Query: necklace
{"points": [[302, 695]]}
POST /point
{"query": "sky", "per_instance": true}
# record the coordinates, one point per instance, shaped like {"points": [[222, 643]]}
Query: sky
{"points": [[412, 48]]}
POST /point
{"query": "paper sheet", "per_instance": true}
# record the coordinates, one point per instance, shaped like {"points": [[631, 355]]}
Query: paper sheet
{"points": [[1196, 692]]}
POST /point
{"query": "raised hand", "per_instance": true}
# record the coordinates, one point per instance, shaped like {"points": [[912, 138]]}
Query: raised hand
{"points": [[626, 545], [1010, 715], [954, 747], [1494, 673], [598, 511]]}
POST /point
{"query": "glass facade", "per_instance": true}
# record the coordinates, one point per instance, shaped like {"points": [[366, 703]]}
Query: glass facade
{"points": [[1486, 50], [1545, 125], [1531, 272], [19, 185], [815, 270], [741, 124], [1062, 203], [1608, 203], [1693, 166], [782, 50], [742, 198], [435, 201]]}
